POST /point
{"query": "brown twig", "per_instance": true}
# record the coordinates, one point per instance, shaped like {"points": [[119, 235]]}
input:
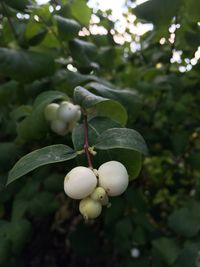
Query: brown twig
{"points": [[86, 141]]}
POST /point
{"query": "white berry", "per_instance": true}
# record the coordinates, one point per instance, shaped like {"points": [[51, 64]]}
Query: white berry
{"points": [[135, 253], [80, 182], [50, 111], [113, 177], [78, 114], [59, 127], [68, 112], [89, 208]]}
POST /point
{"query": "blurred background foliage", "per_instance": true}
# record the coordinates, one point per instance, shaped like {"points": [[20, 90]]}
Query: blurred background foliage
{"points": [[62, 44]]}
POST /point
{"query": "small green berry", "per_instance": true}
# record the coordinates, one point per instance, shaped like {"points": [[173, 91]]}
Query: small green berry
{"points": [[50, 111], [89, 208], [98, 194]]}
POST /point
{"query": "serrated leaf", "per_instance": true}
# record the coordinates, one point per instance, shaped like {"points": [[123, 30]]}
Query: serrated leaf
{"points": [[40, 157], [25, 66], [121, 138]]}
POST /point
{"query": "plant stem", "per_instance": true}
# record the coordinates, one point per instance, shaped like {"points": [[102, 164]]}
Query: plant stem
{"points": [[86, 142], [9, 21]]}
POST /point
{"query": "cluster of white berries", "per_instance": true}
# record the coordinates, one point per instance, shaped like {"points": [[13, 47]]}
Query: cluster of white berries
{"points": [[62, 117], [93, 187]]}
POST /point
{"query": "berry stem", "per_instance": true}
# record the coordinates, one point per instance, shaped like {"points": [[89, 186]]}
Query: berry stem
{"points": [[86, 142]]}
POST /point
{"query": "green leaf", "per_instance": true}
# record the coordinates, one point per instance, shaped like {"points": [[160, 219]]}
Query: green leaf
{"points": [[29, 190], [192, 8], [167, 248], [78, 136], [83, 52], [54, 183], [83, 240], [8, 92], [19, 208], [95, 127], [101, 124], [3, 179], [106, 107], [180, 141], [25, 66], [67, 28], [81, 11], [40, 157], [121, 138], [8, 154], [34, 126], [47, 97], [129, 158], [5, 247], [19, 233], [116, 212], [43, 204], [160, 12], [35, 32], [189, 256], [102, 106], [18, 4], [123, 231], [194, 160], [21, 112], [185, 221], [129, 99], [38, 38], [33, 27], [68, 80]]}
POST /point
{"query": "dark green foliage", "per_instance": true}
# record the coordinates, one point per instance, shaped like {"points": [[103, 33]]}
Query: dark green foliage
{"points": [[134, 100]]}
